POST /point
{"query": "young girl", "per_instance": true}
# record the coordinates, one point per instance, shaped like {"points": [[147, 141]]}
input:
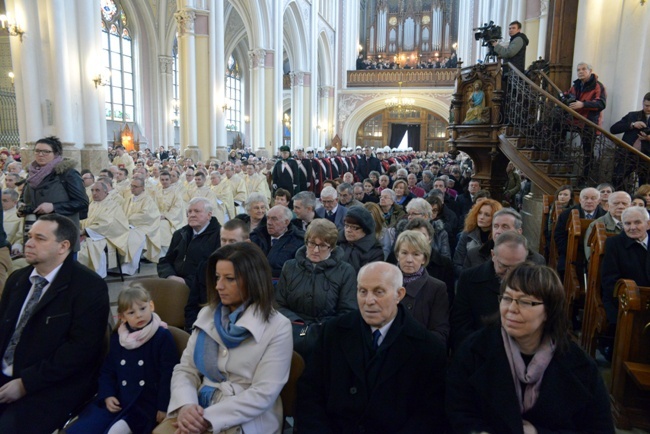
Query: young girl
{"points": [[134, 382]]}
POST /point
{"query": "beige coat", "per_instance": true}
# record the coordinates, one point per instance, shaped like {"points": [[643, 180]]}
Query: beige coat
{"points": [[255, 371]]}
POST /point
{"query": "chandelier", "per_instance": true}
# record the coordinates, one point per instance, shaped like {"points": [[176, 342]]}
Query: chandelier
{"points": [[400, 106]]}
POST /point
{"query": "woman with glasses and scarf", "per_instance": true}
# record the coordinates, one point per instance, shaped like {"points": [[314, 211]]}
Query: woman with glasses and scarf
{"points": [[316, 286], [53, 184], [523, 374], [238, 357]]}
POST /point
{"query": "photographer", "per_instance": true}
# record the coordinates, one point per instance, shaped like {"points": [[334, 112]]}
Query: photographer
{"points": [[635, 127], [515, 52]]}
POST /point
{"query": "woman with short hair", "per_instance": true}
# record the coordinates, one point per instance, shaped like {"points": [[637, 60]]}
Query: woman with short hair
{"points": [[256, 207], [315, 286], [523, 374], [426, 297]]}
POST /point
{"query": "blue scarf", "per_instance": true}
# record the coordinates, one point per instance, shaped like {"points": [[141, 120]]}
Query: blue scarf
{"points": [[231, 334], [206, 351]]}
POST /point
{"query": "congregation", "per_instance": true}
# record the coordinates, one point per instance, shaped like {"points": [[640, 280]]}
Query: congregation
{"points": [[381, 262]]}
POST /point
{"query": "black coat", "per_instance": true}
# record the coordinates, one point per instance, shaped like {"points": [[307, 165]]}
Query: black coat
{"points": [[284, 249], [60, 349], [475, 302], [350, 389], [361, 252], [64, 189], [284, 179], [315, 292], [367, 165], [631, 134], [186, 253], [481, 394], [561, 233], [624, 259], [426, 299]]}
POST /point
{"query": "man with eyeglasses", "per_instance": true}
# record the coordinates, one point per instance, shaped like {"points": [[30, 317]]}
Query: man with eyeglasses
{"points": [[478, 287], [331, 209], [346, 195]]}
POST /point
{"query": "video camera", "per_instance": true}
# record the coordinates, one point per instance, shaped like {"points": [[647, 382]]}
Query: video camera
{"points": [[488, 33]]}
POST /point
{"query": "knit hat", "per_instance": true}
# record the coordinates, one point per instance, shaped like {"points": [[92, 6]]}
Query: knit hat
{"points": [[358, 215], [285, 149]]}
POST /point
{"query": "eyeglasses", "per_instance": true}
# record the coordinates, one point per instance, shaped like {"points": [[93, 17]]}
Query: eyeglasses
{"points": [[328, 201], [313, 246], [42, 151], [506, 300], [415, 214], [352, 227]]}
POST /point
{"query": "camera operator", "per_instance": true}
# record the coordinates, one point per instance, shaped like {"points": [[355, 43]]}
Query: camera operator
{"points": [[515, 52], [635, 127]]}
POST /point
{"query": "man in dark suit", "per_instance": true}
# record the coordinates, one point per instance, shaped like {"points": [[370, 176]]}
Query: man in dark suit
{"points": [[331, 209], [362, 376], [287, 175], [626, 257], [54, 319], [589, 208], [478, 287], [278, 239], [632, 125], [367, 164]]}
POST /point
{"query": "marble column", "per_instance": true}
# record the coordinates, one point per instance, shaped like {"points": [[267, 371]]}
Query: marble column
{"points": [[325, 114], [308, 111]]}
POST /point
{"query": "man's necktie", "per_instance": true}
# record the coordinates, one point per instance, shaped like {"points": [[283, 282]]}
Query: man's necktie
{"points": [[375, 339], [39, 284], [645, 246], [330, 216], [619, 226], [589, 216]]}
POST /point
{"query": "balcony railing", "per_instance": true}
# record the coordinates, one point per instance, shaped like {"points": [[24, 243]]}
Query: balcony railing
{"points": [[440, 77]]}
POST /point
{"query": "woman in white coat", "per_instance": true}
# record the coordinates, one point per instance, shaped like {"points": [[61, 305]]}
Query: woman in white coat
{"points": [[238, 357]]}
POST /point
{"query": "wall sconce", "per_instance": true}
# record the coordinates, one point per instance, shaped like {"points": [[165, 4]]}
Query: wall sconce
{"points": [[247, 119], [11, 76], [102, 79], [287, 120], [12, 28]]}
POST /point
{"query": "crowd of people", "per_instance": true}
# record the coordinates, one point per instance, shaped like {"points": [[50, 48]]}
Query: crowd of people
{"points": [[374, 265]]}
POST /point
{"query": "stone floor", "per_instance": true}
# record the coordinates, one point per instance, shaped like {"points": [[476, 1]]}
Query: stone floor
{"points": [[115, 285]]}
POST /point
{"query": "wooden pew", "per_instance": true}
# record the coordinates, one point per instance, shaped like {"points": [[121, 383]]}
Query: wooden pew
{"points": [[547, 201], [594, 320], [574, 281], [630, 388], [552, 251]]}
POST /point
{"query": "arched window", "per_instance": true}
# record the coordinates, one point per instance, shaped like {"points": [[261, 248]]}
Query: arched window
{"points": [[175, 98], [233, 95], [118, 59]]}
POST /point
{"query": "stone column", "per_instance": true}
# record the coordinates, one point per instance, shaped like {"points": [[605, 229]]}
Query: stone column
{"points": [[297, 108], [307, 111], [166, 70], [272, 121], [325, 114], [257, 59], [185, 18], [218, 145]]}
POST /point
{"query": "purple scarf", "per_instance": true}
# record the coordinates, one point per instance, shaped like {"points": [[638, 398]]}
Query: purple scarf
{"points": [[530, 375], [38, 173], [408, 278]]}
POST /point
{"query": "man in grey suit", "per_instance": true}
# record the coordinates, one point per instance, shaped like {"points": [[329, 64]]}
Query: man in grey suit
{"points": [[617, 202], [331, 210]]}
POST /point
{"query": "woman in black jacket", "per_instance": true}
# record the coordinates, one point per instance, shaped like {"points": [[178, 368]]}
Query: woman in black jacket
{"points": [[53, 184], [315, 286], [358, 241]]}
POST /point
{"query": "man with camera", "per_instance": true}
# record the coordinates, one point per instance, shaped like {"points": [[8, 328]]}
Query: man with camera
{"points": [[635, 127], [515, 52]]}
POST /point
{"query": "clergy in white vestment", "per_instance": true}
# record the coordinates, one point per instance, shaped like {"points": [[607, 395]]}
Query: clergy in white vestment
{"points": [[256, 183], [144, 218], [122, 159], [123, 183], [238, 188], [105, 227], [172, 211], [13, 225], [203, 190], [221, 188]]}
